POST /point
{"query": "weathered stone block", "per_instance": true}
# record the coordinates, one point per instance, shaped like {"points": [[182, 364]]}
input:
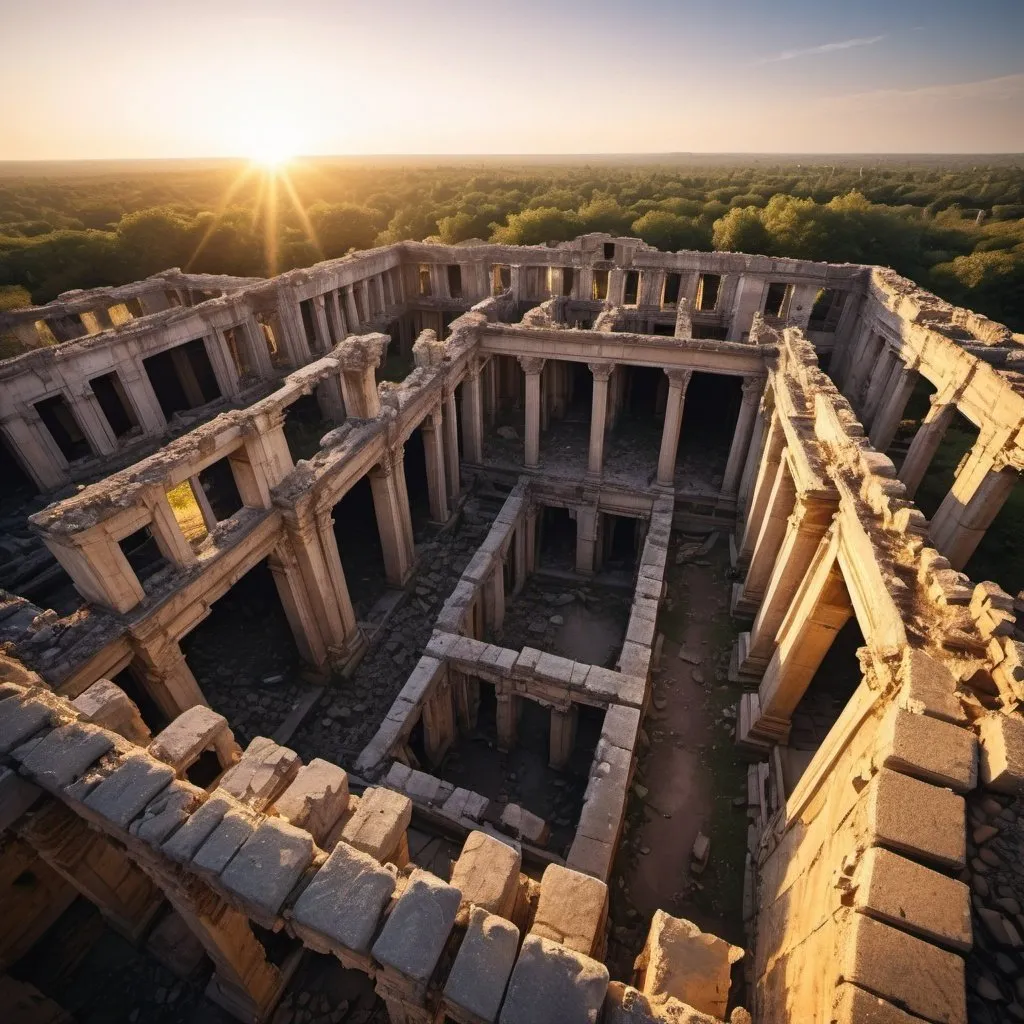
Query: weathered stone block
{"points": [[1001, 750], [316, 800], [487, 874], [262, 774], [379, 822], [930, 749], [124, 794], [552, 984], [680, 961], [572, 909], [478, 977]]}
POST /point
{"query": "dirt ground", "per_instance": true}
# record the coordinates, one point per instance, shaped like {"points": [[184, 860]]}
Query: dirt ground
{"points": [[688, 777]]}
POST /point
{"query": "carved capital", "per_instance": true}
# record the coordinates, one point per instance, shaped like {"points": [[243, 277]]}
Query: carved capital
{"points": [[601, 371], [679, 378], [752, 387], [531, 364]]}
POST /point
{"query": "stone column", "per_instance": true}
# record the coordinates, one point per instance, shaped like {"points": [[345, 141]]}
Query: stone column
{"points": [[299, 608], [880, 380], [85, 409], [806, 526], [530, 540], [359, 359], [507, 721], [315, 547], [747, 597], [25, 444], [860, 364], [167, 533], [451, 447], [97, 869], [586, 540], [598, 412], [433, 450], [978, 493], [755, 456], [351, 313], [187, 376], [320, 326], [205, 508], [767, 472], [330, 400], [752, 388], [223, 365], [532, 367], [925, 444], [335, 319], [678, 382], [438, 722], [495, 596], [892, 407], [257, 349], [466, 697], [472, 415], [394, 521], [563, 736], [163, 672], [821, 608]]}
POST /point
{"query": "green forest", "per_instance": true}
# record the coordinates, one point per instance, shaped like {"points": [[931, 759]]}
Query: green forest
{"points": [[956, 225]]}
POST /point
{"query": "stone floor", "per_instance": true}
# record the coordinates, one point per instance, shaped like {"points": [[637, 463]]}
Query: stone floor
{"points": [[689, 778]]}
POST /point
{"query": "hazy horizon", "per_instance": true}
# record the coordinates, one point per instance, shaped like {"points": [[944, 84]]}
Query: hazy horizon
{"points": [[208, 79]]}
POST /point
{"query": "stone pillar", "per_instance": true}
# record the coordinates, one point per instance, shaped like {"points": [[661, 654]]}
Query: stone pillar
{"points": [[472, 415], [433, 449], [450, 424], [33, 455], [315, 547], [747, 597], [438, 722], [978, 493], [320, 326], [820, 609], [205, 508], [678, 382], [163, 672], [893, 404], [466, 697], [586, 540], [256, 348], [563, 736], [351, 313], [752, 388], [755, 456], [330, 400], [598, 412], [532, 367], [861, 363], [394, 521], [767, 472], [530, 540], [167, 533], [141, 395], [335, 319], [299, 608], [359, 359], [223, 365], [99, 568], [495, 596], [187, 377], [925, 444], [87, 413], [806, 526], [96, 868], [880, 379], [507, 721]]}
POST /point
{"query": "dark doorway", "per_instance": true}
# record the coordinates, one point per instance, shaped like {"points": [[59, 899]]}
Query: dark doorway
{"points": [[182, 377], [710, 412], [362, 557], [114, 403], [557, 539], [416, 482], [60, 421]]}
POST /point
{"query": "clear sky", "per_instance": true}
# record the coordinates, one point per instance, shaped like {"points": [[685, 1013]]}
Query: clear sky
{"points": [[179, 78]]}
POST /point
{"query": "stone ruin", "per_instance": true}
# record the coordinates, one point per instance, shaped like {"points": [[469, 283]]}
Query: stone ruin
{"points": [[573, 409]]}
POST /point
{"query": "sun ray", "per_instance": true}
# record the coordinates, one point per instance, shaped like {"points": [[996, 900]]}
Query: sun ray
{"points": [[300, 210], [270, 225], [229, 194]]}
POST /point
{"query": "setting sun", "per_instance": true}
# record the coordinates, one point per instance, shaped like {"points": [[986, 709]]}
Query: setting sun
{"points": [[270, 154]]}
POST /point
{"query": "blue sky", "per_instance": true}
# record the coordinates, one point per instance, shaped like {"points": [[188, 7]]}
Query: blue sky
{"points": [[122, 78]]}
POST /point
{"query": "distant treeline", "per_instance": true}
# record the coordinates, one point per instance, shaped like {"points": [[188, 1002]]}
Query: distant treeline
{"points": [[954, 226]]}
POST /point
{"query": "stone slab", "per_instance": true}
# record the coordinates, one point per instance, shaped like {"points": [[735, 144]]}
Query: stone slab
{"points": [[316, 799], [343, 903], [929, 749], [552, 984], [418, 927], [64, 754], [572, 909], [269, 864], [379, 822], [225, 841], [123, 795], [184, 844], [181, 743], [476, 983], [1001, 752], [487, 874]]}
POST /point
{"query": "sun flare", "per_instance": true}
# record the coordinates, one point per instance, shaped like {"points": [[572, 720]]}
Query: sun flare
{"points": [[270, 155]]}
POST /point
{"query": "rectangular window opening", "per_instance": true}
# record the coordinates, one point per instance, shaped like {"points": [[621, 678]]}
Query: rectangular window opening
{"points": [[609, 250], [455, 281], [143, 554], [424, 278], [60, 421], [828, 308], [568, 280], [501, 278], [632, 289], [670, 294], [187, 512], [113, 401], [776, 302], [708, 288], [600, 289]]}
